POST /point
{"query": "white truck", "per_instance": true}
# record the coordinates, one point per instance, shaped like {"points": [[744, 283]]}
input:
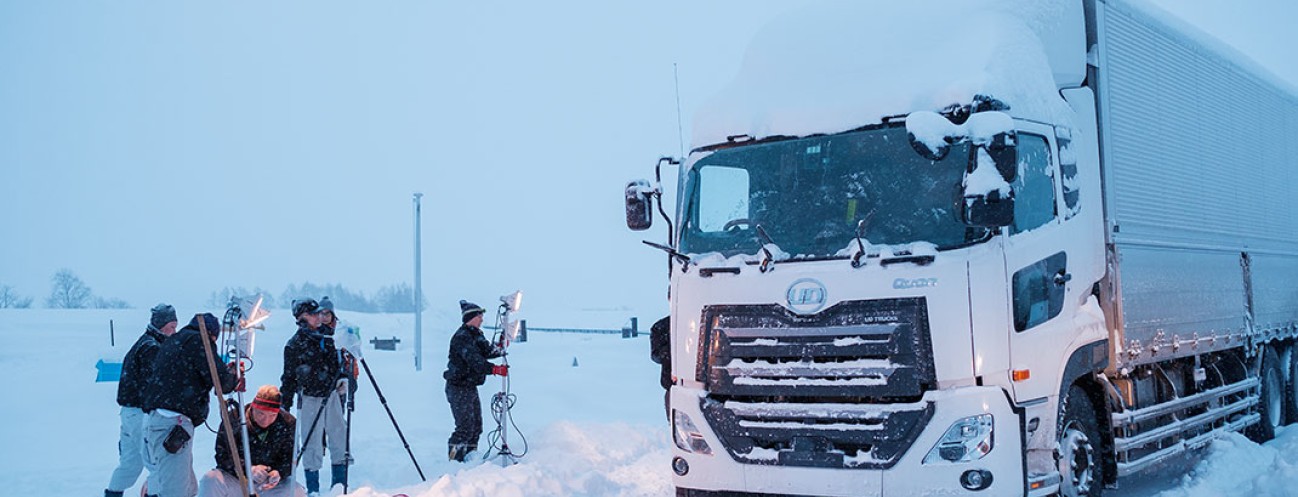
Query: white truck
{"points": [[978, 248]]}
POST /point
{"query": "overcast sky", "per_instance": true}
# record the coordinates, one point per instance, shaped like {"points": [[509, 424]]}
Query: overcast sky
{"points": [[164, 150]]}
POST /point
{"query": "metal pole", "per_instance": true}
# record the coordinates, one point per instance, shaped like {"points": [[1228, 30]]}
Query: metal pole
{"points": [[419, 294]]}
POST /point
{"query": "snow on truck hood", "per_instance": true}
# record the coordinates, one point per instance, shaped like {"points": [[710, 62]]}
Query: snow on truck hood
{"points": [[834, 66]]}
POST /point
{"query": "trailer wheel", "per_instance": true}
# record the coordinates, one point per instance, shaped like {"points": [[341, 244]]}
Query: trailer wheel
{"points": [[1081, 465], [1271, 403]]}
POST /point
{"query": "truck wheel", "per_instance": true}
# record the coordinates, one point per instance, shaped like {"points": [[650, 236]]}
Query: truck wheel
{"points": [[1081, 465], [1271, 403], [1291, 395]]}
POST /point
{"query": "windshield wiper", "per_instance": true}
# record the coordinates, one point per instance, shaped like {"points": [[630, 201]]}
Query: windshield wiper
{"points": [[767, 257], [685, 259], [860, 235]]}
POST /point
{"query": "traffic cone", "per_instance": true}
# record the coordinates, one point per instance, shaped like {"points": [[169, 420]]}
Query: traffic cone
{"points": [[574, 361]]}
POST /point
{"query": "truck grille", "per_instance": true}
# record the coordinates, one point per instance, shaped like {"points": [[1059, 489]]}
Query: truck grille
{"points": [[838, 389]]}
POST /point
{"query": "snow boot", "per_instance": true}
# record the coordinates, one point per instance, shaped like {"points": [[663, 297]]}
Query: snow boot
{"points": [[339, 475], [312, 482], [457, 452], [112, 493]]}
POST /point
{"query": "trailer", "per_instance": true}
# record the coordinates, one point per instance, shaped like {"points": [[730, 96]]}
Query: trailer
{"points": [[985, 248]]}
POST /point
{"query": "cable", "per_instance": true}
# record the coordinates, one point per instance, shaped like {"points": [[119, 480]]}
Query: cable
{"points": [[503, 402]]}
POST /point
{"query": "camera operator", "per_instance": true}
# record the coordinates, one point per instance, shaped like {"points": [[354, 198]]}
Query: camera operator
{"points": [[312, 368]]}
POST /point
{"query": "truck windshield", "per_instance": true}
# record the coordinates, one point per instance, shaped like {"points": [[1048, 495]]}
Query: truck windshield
{"points": [[810, 193]]}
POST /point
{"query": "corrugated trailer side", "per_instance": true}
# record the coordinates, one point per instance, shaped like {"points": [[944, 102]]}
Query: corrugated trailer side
{"points": [[1200, 168]]}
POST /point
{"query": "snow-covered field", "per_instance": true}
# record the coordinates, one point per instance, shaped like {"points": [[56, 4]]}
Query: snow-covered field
{"points": [[596, 429]]}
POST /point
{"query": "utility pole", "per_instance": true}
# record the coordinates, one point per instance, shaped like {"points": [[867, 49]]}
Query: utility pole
{"points": [[419, 295]]}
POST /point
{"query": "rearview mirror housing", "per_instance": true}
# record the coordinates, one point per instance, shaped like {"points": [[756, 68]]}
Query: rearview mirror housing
{"points": [[990, 210], [639, 205]]}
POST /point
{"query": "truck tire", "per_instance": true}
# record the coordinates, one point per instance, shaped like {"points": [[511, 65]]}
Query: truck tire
{"points": [[1271, 401], [1291, 394], [1081, 465]]}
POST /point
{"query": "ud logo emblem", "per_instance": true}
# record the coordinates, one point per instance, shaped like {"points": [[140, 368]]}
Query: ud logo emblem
{"points": [[806, 296]]}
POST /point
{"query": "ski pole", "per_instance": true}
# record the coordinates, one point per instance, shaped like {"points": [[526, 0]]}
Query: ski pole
{"points": [[383, 400]]}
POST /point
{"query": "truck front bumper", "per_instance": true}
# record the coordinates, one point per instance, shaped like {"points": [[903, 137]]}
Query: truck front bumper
{"points": [[719, 474]]}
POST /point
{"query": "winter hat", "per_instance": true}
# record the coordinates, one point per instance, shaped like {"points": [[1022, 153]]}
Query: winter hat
{"points": [[469, 309], [162, 315], [326, 304], [304, 306], [209, 322], [267, 399]]}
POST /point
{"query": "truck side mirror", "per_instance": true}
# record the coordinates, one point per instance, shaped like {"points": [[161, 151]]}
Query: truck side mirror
{"points": [[990, 210], [639, 205]]}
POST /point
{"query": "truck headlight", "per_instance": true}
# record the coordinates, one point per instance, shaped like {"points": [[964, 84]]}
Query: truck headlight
{"points": [[968, 439], [687, 436]]}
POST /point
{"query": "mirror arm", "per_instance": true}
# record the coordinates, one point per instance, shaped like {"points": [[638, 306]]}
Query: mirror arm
{"points": [[658, 195]]}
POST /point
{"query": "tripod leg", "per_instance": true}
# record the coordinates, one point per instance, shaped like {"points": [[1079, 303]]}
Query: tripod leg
{"points": [[347, 446], [383, 400], [307, 439]]}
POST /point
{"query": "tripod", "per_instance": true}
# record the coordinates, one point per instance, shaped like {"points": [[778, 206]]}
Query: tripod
{"points": [[352, 347]]}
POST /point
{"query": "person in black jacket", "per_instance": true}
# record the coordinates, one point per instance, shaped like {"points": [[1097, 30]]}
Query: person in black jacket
{"points": [[312, 368], [176, 400], [137, 370], [270, 445], [466, 369], [328, 326]]}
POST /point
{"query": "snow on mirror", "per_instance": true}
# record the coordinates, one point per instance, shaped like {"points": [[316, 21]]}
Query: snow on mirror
{"points": [[931, 134], [723, 203]]}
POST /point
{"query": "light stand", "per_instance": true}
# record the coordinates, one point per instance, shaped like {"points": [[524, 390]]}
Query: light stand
{"points": [[237, 328], [503, 401]]}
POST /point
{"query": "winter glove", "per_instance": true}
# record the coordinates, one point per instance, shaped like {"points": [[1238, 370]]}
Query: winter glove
{"points": [[341, 387], [501, 370], [240, 387]]}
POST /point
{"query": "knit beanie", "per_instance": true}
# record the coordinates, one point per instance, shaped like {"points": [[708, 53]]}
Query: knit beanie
{"points": [[162, 314], [469, 309]]}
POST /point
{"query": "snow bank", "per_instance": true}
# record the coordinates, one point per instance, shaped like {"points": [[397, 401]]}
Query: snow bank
{"points": [[1235, 466], [831, 67]]}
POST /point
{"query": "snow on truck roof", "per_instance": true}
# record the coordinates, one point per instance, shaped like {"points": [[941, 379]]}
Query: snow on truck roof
{"points": [[835, 66]]}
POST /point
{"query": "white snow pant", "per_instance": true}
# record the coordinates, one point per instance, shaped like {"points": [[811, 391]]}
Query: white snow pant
{"points": [[332, 426], [217, 483], [130, 444], [170, 475]]}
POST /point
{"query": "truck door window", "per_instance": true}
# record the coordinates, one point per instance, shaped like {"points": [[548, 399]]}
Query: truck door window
{"points": [[723, 199], [1034, 188], [1038, 294]]}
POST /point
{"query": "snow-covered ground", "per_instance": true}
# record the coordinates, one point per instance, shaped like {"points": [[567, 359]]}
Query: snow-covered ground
{"points": [[594, 429]]}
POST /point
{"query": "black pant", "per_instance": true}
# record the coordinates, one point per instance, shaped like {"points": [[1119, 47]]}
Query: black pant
{"points": [[467, 410]]}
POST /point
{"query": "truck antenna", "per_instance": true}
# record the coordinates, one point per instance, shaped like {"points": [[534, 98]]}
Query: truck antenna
{"points": [[680, 130]]}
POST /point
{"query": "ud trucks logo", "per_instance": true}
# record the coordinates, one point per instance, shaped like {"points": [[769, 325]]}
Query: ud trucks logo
{"points": [[903, 283], [806, 296]]}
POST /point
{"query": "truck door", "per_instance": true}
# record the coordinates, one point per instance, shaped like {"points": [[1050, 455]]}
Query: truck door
{"points": [[1037, 256]]}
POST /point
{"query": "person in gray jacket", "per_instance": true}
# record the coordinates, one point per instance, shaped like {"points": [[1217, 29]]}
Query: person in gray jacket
{"points": [[137, 371]]}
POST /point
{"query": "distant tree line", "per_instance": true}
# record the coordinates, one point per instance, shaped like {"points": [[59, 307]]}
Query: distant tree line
{"points": [[392, 298], [67, 291]]}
